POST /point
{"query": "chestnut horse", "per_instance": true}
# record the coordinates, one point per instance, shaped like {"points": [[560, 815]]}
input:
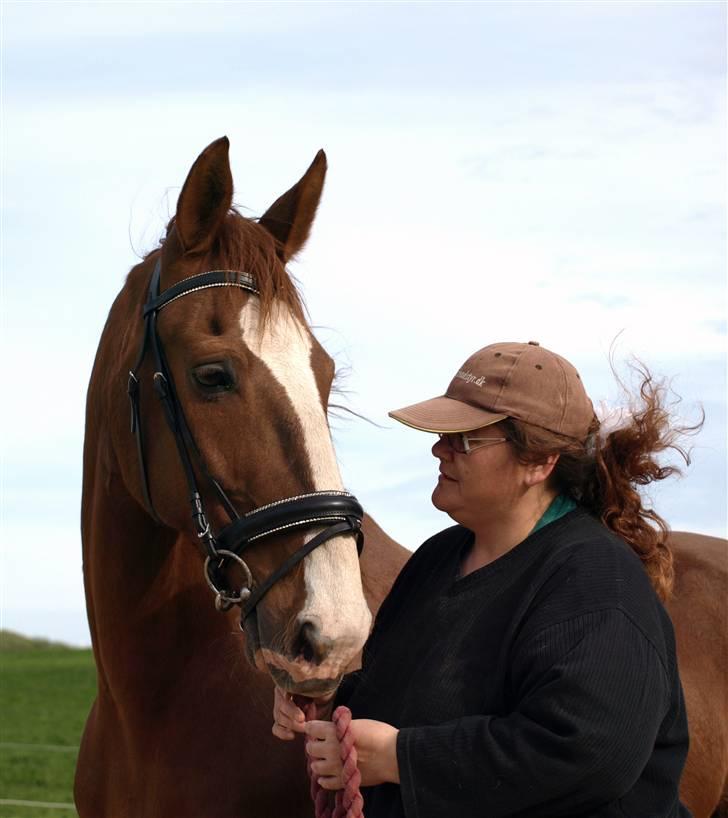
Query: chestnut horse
{"points": [[699, 612], [181, 725], [182, 721]]}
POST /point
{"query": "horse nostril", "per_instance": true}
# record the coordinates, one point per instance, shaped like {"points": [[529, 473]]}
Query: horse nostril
{"points": [[311, 644]]}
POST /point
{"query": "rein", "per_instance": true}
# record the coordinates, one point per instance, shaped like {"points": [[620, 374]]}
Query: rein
{"points": [[338, 511]]}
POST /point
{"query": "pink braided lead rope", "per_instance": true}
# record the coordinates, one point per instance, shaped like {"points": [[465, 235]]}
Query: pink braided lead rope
{"points": [[347, 802]]}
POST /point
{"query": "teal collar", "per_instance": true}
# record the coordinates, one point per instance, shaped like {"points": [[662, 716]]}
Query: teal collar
{"points": [[560, 505]]}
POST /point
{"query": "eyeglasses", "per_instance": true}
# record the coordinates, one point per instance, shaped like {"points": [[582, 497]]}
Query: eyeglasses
{"points": [[461, 442]]}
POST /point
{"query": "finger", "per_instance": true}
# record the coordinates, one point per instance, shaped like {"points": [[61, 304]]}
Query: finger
{"points": [[288, 718], [330, 782], [280, 718], [325, 748], [283, 732], [327, 767], [283, 707], [289, 724], [284, 700], [319, 729]]}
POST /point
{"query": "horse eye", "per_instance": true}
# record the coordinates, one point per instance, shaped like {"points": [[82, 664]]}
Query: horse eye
{"points": [[213, 377]]}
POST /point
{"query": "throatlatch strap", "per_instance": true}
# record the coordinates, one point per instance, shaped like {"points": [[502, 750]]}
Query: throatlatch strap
{"points": [[138, 432]]}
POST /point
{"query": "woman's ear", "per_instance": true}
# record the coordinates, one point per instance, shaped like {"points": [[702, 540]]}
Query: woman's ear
{"points": [[540, 472]]}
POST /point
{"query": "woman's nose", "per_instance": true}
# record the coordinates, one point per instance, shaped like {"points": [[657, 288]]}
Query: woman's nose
{"points": [[442, 450]]}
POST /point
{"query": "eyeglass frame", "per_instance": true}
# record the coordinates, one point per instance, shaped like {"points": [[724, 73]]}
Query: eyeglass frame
{"points": [[466, 439]]}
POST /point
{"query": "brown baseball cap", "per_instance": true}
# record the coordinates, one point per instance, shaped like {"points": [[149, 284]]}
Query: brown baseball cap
{"points": [[522, 381]]}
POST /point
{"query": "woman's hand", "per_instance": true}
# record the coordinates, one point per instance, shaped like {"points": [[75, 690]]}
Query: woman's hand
{"points": [[289, 719], [376, 747]]}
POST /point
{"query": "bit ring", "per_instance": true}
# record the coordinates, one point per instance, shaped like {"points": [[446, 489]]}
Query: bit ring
{"points": [[225, 599]]}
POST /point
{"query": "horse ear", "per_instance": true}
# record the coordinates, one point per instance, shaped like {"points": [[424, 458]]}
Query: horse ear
{"points": [[206, 198], [290, 217]]}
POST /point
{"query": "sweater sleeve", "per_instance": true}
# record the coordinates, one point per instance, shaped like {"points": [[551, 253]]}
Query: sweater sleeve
{"points": [[588, 697]]}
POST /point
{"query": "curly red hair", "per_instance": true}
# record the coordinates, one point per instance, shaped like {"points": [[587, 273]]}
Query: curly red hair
{"points": [[604, 472]]}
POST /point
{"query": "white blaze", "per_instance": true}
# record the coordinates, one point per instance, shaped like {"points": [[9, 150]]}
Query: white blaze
{"points": [[334, 597]]}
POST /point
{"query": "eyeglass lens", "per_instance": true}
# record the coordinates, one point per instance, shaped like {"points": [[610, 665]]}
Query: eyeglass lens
{"points": [[455, 440]]}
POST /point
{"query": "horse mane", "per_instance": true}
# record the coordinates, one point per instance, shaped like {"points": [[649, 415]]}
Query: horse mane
{"points": [[241, 244]]}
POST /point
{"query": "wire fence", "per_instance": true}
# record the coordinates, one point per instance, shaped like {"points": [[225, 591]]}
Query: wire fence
{"points": [[17, 802]]}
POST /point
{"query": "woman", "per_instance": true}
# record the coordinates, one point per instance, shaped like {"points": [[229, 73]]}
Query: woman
{"points": [[522, 664]]}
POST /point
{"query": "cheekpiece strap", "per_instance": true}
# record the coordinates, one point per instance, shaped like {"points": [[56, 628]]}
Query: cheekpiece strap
{"points": [[163, 383]]}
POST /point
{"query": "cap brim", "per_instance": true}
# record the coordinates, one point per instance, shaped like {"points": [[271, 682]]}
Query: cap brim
{"points": [[445, 415]]}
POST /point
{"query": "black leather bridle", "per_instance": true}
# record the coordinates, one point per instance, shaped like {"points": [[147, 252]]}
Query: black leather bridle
{"points": [[338, 511]]}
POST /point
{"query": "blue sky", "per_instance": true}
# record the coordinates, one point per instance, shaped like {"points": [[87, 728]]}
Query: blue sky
{"points": [[498, 171]]}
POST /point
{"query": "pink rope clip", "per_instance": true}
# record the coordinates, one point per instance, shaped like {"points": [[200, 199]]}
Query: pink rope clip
{"points": [[347, 802]]}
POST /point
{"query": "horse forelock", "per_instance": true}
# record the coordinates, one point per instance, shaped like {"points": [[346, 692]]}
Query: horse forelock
{"points": [[242, 245]]}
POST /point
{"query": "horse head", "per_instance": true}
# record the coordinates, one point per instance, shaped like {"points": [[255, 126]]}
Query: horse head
{"points": [[251, 385]]}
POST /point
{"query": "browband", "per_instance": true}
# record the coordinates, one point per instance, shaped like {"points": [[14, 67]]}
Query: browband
{"points": [[201, 281]]}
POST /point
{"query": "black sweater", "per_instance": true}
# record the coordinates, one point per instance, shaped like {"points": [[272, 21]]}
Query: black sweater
{"points": [[543, 684]]}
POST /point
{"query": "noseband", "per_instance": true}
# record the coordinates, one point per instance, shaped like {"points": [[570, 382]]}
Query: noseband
{"points": [[338, 511]]}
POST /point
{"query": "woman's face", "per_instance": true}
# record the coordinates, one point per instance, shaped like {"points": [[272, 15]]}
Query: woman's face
{"points": [[485, 485]]}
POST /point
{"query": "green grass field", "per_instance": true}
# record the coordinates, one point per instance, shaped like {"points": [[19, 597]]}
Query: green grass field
{"points": [[46, 691]]}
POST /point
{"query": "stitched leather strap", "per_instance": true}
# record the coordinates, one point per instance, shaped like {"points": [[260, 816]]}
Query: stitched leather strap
{"points": [[202, 281], [298, 512]]}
